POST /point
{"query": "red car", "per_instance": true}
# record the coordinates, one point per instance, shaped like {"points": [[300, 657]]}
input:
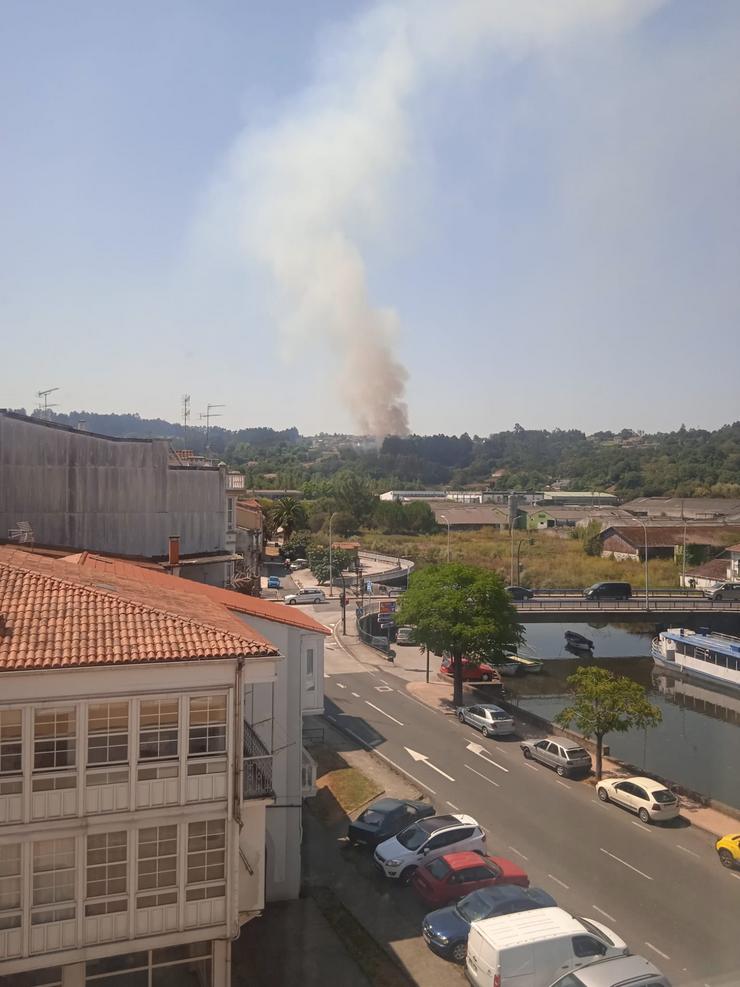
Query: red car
{"points": [[453, 875], [473, 671]]}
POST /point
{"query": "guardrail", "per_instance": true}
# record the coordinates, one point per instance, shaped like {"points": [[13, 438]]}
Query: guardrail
{"points": [[628, 606], [655, 592]]}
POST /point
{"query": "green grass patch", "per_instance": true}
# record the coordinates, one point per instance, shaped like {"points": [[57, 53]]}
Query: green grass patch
{"points": [[341, 789]]}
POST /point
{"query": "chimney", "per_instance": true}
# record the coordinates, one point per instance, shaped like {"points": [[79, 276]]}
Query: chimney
{"points": [[174, 552]]}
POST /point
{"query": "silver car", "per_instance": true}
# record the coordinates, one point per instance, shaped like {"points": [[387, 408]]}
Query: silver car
{"points": [[615, 971], [489, 719], [725, 591], [567, 757]]}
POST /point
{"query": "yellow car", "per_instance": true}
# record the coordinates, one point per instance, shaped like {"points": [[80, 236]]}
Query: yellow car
{"points": [[728, 850]]}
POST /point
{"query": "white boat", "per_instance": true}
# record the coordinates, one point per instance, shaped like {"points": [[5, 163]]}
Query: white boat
{"points": [[703, 654]]}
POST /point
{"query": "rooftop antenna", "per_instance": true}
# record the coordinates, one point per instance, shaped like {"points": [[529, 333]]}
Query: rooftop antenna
{"points": [[185, 413], [44, 396], [209, 413]]}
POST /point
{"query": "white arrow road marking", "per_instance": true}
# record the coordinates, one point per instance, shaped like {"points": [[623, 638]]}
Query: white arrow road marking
{"points": [[615, 857], [379, 710], [423, 757], [489, 780], [480, 751]]}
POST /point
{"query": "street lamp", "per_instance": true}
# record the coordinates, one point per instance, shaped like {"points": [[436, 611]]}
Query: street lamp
{"points": [[331, 571], [644, 528], [683, 560], [443, 518]]}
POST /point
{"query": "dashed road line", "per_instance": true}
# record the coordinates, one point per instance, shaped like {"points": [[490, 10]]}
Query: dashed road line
{"points": [[453, 806], [736, 876], [518, 852], [489, 780], [532, 767], [658, 951], [643, 826], [379, 710], [341, 685], [687, 851], [562, 784], [619, 859], [558, 881], [356, 695], [602, 912]]}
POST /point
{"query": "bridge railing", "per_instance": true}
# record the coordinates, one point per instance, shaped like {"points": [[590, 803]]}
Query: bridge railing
{"points": [[637, 603], [671, 592]]}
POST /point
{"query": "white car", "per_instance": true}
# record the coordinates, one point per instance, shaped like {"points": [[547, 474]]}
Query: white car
{"points": [[306, 596], [649, 799], [426, 839]]}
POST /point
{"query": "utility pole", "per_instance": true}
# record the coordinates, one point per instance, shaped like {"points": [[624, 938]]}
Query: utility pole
{"points": [[44, 396], [208, 414]]}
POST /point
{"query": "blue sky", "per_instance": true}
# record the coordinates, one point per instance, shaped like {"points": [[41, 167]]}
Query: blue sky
{"points": [[274, 205]]}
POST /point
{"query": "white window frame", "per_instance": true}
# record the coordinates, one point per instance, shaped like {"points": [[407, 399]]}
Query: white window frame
{"points": [[159, 733], [157, 866], [106, 873], [206, 860], [210, 734], [11, 871], [108, 731], [11, 747], [59, 742], [56, 883]]}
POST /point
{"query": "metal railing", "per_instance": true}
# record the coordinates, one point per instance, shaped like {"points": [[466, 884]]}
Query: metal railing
{"points": [[637, 603], [257, 766], [308, 774]]}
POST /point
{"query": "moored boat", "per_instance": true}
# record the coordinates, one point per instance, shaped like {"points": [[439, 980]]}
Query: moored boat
{"points": [[576, 640], [703, 654]]}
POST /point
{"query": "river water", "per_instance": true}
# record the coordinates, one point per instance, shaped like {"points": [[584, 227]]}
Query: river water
{"points": [[698, 743]]}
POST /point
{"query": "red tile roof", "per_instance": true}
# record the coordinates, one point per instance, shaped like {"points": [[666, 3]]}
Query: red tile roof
{"points": [[56, 615], [250, 605]]}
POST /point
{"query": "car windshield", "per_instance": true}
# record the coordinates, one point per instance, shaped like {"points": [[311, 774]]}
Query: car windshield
{"points": [[473, 907], [595, 931], [412, 837], [372, 818], [439, 868], [576, 753], [664, 796]]}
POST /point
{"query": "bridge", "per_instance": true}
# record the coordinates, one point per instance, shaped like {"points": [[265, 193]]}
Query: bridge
{"points": [[661, 605]]}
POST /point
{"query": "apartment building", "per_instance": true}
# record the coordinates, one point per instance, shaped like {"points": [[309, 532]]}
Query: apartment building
{"points": [[136, 740]]}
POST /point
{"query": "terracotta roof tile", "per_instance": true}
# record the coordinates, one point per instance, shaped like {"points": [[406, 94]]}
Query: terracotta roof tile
{"points": [[57, 615]]}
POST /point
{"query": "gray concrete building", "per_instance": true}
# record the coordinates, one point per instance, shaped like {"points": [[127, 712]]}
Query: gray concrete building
{"points": [[69, 489]]}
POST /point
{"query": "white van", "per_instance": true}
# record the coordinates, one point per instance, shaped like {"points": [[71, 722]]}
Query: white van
{"points": [[532, 949]]}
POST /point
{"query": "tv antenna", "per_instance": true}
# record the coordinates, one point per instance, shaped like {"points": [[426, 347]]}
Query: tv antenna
{"points": [[209, 413], [185, 412], [43, 396]]}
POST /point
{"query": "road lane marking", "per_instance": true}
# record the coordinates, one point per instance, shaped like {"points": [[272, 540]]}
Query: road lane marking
{"points": [[489, 780], [480, 752], [643, 826], [423, 757], [499, 748], [356, 695], [385, 757], [619, 859], [658, 951], [453, 806], [341, 685], [687, 851], [382, 688], [519, 852], [532, 767], [602, 912], [379, 710], [736, 876], [326, 676], [384, 682], [558, 881], [562, 783]]}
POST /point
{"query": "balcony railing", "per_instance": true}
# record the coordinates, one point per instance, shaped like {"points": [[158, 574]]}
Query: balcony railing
{"points": [[234, 481], [308, 774], [257, 766]]}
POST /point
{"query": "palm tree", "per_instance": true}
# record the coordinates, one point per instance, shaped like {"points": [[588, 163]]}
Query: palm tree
{"points": [[288, 514]]}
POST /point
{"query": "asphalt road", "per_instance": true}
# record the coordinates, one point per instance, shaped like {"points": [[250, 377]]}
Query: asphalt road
{"points": [[660, 888]]}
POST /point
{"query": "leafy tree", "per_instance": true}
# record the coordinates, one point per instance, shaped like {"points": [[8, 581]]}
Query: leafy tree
{"points": [[353, 494], [298, 545], [318, 562], [288, 514], [606, 703], [462, 610]]}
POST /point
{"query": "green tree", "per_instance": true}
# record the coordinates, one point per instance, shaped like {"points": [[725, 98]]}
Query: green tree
{"points": [[606, 703], [318, 562], [462, 610], [353, 495], [288, 514]]}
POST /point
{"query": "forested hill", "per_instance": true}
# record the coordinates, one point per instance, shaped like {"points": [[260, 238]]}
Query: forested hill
{"points": [[684, 463]]}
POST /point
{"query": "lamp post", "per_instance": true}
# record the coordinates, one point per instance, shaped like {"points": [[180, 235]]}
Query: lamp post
{"points": [[647, 597], [331, 570], [443, 518], [683, 558]]}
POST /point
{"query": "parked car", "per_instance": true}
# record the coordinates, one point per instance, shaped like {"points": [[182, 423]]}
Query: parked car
{"points": [[385, 818], [725, 591], [567, 757], [306, 596], [649, 799], [616, 971], [489, 719], [405, 635], [297, 564], [519, 593], [273, 582], [446, 929], [608, 591], [473, 671], [399, 856], [728, 850], [532, 949], [453, 875]]}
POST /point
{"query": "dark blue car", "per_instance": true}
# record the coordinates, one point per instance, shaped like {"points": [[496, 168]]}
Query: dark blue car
{"points": [[446, 930], [384, 819]]}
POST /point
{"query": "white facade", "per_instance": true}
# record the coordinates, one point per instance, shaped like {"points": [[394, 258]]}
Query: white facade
{"points": [[133, 809]]}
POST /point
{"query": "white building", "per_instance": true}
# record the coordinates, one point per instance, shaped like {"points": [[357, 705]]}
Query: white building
{"points": [[136, 776]]}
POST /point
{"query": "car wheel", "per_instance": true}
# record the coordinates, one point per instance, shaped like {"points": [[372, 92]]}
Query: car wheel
{"points": [[406, 876], [461, 717], [603, 794], [459, 951], [527, 754], [644, 815], [718, 598], [726, 858], [485, 731], [560, 770], [291, 603]]}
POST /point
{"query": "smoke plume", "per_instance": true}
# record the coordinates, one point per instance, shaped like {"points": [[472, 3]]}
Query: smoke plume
{"points": [[318, 178]]}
